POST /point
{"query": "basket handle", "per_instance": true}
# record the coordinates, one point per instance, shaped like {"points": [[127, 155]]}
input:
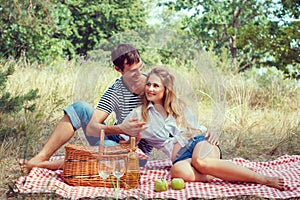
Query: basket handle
{"points": [[101, 145]]}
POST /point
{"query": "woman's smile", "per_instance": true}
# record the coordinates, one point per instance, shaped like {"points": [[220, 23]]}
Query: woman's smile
{"points": [[154, 89]]}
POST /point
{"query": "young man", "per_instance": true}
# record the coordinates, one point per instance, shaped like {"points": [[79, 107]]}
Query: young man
{"points": [[120, 98]]}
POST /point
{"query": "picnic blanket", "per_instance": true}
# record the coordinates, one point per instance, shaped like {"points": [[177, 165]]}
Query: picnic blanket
{"points": [[288, 166]]}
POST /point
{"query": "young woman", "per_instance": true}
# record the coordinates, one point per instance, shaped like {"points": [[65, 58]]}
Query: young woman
{"points": [[195, 157]]}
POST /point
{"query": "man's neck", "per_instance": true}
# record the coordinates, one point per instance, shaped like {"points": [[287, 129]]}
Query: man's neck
{"points": [[136, 87]]}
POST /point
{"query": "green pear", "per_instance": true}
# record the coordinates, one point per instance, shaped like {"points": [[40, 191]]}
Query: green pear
{"points": [[161, 185], [177, 184]]}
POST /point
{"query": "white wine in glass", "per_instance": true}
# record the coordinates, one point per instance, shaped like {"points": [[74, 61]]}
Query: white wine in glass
{"points": [[118, 172], [105, 169]]}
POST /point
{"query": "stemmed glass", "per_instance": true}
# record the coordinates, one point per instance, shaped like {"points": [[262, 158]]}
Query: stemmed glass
{"points": [[118, 172], [105, 169]]}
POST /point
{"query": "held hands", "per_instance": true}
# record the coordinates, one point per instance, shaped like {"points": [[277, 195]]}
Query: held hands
{"points": [[132, 127], [213, 137]]}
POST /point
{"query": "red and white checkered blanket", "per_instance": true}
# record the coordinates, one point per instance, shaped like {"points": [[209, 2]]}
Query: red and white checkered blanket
{"points": [[47, 181]]}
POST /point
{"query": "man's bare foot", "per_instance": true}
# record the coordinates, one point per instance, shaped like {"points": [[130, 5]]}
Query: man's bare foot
{"points": [[36, 161], [26, 165], [275, 182]]}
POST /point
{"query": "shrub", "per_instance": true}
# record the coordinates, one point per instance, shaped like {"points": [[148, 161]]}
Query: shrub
{"points": [[13, 103], [273, 88]]}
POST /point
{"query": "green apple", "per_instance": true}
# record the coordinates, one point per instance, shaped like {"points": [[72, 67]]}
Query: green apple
{"points": [[177, 184], [161, 185]]}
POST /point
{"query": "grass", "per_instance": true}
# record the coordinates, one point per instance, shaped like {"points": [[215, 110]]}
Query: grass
{"points": [[255, 122]]}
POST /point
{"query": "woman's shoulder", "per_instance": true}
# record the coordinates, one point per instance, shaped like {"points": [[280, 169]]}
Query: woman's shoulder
{"points": [[138, 109]]}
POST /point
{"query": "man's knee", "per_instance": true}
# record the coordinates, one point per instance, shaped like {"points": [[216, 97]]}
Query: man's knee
{"points": [[79, 114], [83, 108]]}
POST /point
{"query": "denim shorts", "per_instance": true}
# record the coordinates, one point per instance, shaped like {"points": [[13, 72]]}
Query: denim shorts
{"points": [[80, 114], [186, 152]]}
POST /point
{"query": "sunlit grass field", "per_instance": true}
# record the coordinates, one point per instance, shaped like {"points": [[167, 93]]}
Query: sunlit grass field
{"points": [[257, 115]]}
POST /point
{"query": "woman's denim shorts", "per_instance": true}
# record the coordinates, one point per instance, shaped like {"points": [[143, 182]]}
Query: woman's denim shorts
{"points": [[80, 114], [186, 152]]}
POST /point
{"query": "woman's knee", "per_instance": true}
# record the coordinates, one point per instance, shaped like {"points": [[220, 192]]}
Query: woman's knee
{"points": [[205, 150], [203, 154], [200, 165], [183, 171]]}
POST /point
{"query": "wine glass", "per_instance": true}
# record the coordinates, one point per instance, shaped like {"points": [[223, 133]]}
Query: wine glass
{"points": [[105, 168], [118, 172]]}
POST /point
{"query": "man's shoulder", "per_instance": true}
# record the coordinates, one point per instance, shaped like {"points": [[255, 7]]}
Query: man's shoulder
{"points": [[118, 84], [118, 81]]}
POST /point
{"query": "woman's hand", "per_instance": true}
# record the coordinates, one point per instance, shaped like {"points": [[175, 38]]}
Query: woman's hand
{"points": [[212, 137]]}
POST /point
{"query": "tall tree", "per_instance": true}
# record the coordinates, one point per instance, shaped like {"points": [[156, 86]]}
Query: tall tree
{"points": [[96, 20], [29, 28], [247, 28], [50, 29]]}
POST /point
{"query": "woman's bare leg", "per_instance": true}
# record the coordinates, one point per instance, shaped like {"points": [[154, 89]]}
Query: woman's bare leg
{"points": [[61, 134], [183, 169], [205, 162]]}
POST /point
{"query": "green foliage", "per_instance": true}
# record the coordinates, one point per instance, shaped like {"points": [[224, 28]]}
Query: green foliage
{"points": [[288, 8], [147, 41], [31, 29], [274, 87], [97, 20], [102, 52], [14, 103], [11, 104], [256, 33], [51, 29], [156, 46]]}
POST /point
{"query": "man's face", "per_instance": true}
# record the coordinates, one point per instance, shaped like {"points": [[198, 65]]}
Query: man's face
{"points": [[133, 72]]}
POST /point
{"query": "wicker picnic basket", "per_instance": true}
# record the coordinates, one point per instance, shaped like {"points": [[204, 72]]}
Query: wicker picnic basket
{"points": [[81, 164]]}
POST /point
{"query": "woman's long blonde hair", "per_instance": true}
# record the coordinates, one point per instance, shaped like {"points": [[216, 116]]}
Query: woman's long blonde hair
{"points": [[173, 105]]}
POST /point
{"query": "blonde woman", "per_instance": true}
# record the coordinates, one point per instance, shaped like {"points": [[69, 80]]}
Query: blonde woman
{"points": [[195, 157]]}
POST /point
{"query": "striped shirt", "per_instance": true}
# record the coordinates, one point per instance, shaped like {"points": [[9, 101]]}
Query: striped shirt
{"points": [[120, 100]]}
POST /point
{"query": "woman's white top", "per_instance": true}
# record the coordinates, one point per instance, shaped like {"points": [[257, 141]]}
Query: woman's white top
{"points": [[163, 133]]}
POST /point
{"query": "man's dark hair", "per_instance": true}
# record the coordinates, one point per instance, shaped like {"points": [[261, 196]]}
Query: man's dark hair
{"points": [[125, 54]]}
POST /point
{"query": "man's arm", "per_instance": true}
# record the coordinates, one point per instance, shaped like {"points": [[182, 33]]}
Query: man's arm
{"points": [[129, 127]]}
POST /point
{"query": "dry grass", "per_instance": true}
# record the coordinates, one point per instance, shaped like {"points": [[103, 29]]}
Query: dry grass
{"points": [[256, 130]]}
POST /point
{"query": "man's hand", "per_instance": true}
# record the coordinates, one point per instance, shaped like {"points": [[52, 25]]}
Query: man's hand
{"points": [[213, 137], [132, 127], [139, 137]]}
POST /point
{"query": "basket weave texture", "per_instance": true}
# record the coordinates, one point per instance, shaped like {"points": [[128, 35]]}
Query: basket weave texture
{"points": [[81, 167]]}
